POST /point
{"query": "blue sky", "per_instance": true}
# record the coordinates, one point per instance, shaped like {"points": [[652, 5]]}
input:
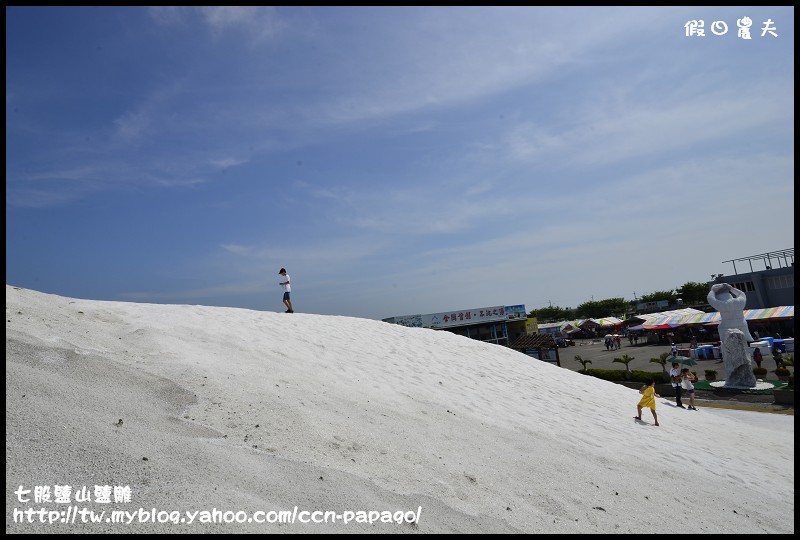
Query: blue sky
{"points": [[396, 160]]}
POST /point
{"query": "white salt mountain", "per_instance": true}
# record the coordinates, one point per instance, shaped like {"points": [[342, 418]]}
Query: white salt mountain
{"points": [[197, 407]]}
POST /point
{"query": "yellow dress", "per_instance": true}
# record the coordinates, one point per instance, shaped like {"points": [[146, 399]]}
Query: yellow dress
{"points": [[648, 400]]}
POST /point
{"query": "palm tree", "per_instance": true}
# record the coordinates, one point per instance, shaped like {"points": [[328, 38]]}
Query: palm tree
{"points": [[582, 361], [662, 359], [626, 359]]}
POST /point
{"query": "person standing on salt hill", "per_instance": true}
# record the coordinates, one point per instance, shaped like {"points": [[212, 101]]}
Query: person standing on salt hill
{"points": [[287, 289]]}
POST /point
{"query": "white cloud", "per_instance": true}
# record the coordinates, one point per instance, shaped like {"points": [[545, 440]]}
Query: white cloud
{"points": [[258, 23], [226, 163]]}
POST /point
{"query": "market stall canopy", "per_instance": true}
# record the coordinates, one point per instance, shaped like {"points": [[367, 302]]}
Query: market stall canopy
{"points": [[656, 327], [639, 319], [670, 319], [782, 312], [673, 321], [700, 318], [570, 327], [605, 322], [608, 321], [636, 323], [665, 320]]}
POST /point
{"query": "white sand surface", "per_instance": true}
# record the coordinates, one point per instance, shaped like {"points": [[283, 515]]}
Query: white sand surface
{"points": [[247, 411]]}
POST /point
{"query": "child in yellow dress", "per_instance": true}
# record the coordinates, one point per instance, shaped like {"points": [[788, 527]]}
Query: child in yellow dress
{"points": [[648, 400]]}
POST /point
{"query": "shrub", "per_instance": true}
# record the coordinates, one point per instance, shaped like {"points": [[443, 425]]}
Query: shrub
{"points": [[619, 375], [782, 372], [760, 372], [711, 374]]}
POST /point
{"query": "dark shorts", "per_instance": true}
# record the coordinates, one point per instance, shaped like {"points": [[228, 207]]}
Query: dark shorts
{"points": [[286, 296]]}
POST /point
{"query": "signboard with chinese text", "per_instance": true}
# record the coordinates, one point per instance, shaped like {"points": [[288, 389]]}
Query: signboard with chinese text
{"points": [[462, 317]]}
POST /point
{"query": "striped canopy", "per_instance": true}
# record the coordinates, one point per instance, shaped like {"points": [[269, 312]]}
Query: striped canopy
{"points": [[782, 312], [673, 320], [649, 318]]}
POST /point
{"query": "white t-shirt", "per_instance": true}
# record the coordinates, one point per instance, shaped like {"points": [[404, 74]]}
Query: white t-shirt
{"points": [[686, 382], [287, 286], [674, 372]]}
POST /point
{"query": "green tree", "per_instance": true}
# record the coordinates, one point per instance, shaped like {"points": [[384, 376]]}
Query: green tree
{"points": [[662, 360], [597, 309], [669, 296], [626, 359], [552, 314], [693, 293], [582, 361]]}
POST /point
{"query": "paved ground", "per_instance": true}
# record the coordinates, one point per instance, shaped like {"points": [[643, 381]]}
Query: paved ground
{"points": [[603, 359]]}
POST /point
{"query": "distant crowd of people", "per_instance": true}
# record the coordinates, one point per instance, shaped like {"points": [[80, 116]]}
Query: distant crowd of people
{"points": [[613, 342]]}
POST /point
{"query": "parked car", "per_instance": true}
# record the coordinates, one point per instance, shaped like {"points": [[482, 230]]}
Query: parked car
{"points": [[564, 342]]}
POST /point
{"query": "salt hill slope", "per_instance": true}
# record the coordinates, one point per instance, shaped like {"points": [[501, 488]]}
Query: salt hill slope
{"points": [[249, 411]]}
